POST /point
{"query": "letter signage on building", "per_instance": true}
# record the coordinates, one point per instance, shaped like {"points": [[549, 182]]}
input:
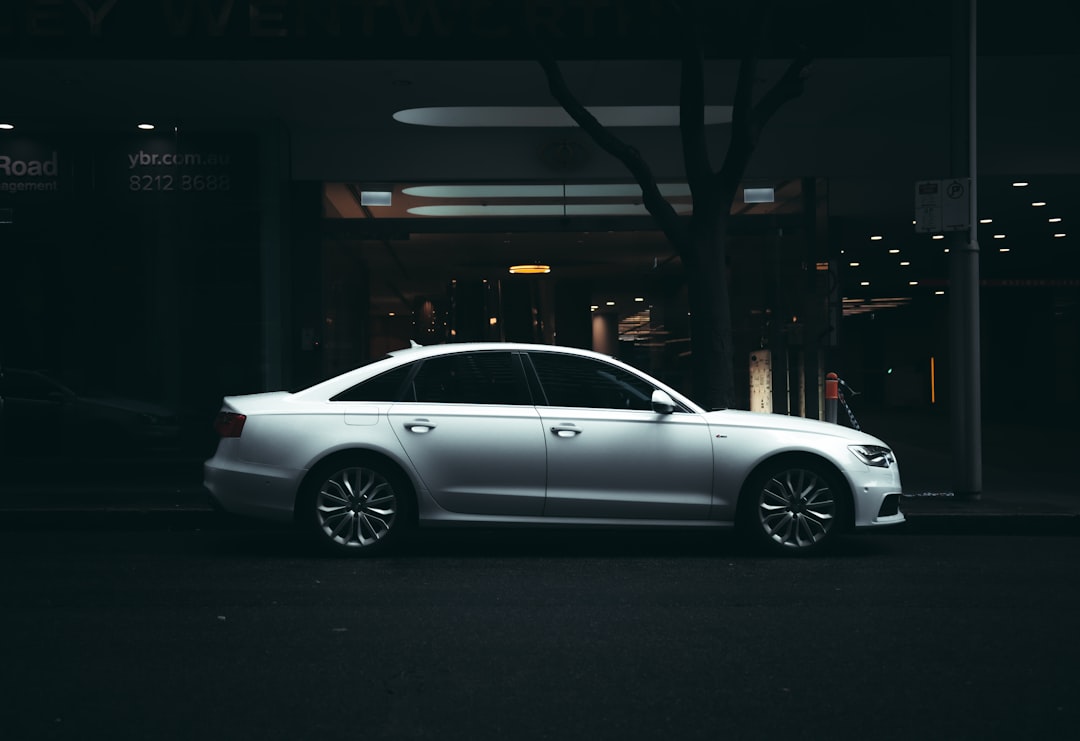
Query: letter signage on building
{"points": [[29, 167]]}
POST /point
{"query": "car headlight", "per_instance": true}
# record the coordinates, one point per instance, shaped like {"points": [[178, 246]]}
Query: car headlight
{"points": [[873, 455]]}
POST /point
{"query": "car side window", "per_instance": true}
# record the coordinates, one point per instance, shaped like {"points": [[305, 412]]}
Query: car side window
{"points": [[383, 387], [472, 378], [571, 381]]}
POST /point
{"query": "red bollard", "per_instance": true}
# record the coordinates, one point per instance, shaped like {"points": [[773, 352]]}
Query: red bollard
{"points": [[832, 396]]}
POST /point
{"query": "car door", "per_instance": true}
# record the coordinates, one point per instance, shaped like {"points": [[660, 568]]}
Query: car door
{"points": [[609, 454], [468, 425]]}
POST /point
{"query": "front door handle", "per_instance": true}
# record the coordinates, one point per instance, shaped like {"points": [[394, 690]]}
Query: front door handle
{"points": [[419, 426], [566, 430]]}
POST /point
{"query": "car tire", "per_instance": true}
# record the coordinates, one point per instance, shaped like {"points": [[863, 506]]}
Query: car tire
{"points": [[356, 506], [793, 507]]}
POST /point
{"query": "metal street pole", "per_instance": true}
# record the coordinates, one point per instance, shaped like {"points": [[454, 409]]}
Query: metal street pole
{"points": [[964, 322]]}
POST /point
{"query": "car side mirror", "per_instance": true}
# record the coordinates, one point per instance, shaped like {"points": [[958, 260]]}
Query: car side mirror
{"points": [[662, 403]]}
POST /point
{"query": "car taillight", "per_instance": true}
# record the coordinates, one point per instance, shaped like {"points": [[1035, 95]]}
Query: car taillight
{"points": [[229, 424]]}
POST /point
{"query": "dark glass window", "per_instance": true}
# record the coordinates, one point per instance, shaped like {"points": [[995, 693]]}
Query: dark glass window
{"points": [[571, 381], [472, 378], [383, 387]]}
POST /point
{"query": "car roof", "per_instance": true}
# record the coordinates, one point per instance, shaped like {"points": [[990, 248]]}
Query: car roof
{"points": [[394, 358]]}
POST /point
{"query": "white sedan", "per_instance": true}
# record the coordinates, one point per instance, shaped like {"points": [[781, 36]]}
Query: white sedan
{"points": [[534, 435]]}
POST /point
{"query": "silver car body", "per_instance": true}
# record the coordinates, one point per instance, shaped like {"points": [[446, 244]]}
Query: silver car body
{"points": [[480, 464]]}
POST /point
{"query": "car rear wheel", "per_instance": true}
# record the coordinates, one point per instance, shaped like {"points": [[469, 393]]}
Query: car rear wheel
{"points": [[793, 507], [356, 507]]}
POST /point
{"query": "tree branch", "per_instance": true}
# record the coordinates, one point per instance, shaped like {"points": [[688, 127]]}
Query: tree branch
{"points": [[654, 202]]}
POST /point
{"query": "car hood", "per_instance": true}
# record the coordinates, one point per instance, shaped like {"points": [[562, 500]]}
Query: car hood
{"points": [[784, 423]]}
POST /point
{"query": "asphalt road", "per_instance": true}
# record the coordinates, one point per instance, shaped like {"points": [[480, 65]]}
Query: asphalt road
{"points": [[218, 633]]}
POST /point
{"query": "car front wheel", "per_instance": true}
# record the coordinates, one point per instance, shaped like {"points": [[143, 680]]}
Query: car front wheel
{"points": [[793, 507], [356, 507]]}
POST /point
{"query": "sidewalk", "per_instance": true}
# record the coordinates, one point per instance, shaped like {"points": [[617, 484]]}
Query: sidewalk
{"points": [[1028, 484]]}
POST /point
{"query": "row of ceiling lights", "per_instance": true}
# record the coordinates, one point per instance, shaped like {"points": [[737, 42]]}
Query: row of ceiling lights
{"points": [[7, 126], [907, 263]]}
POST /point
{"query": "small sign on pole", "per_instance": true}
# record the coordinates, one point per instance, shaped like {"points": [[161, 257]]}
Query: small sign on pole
{"points": [[943, 205]]}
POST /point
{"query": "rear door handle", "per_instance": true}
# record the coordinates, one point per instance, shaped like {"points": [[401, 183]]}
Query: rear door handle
{"points": [[419, 426], [566, 430]]}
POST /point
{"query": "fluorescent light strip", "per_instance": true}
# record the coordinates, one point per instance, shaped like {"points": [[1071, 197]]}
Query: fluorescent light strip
{"points": [[539, 209], [552, 116], [598, 190]]}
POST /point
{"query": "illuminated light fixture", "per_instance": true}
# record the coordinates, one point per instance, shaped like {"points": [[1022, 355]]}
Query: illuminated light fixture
{"points": [[639, 299], [876, 238], [1059, 235], [986, 221], [375, 197], [493, 320], [938, 236], [904, 263], [946, 250], [583, 190], [1037, 204], [1003, 249], [609, 303], [939, 293], [1054, 219], [541, 209], [146, 126], [864, 283], [1021, 184], [894, 251], [534, 269], [999, 236], [552, 116], [913, 282], [822, 266], [853, 264], [594, 307], [758, 195], [392, 313], [7, 126]]}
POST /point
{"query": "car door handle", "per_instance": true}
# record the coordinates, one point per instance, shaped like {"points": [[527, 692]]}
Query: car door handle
{"points": [[419, 426], [566, 430]]}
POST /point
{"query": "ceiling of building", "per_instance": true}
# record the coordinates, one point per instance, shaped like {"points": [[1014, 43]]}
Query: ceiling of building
{"points": [[871, 126]]}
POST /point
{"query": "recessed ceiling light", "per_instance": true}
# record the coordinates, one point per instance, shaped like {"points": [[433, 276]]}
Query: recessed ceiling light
{"points": [[639, 299], [894, 251], [864, 283], [913, 282], [853, 264], [541, 209], [999, 236], [1039, 203], [986, 221], [1059, 235], [609, 303], [904, 263], [938, 236], [939, 293], [1054, 219], [146, 126], [552, 116], [1020, 184], [532, 269], [876, 238], [7, 126], [1003, 249]]}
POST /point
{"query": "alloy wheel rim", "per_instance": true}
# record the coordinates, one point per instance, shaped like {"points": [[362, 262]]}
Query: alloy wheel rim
{"points": [[356, 507], [797, 508]]}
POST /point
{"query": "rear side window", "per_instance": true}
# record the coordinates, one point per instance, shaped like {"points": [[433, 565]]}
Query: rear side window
{"points": [[571, 381], [471, 378], [384, 387]]}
